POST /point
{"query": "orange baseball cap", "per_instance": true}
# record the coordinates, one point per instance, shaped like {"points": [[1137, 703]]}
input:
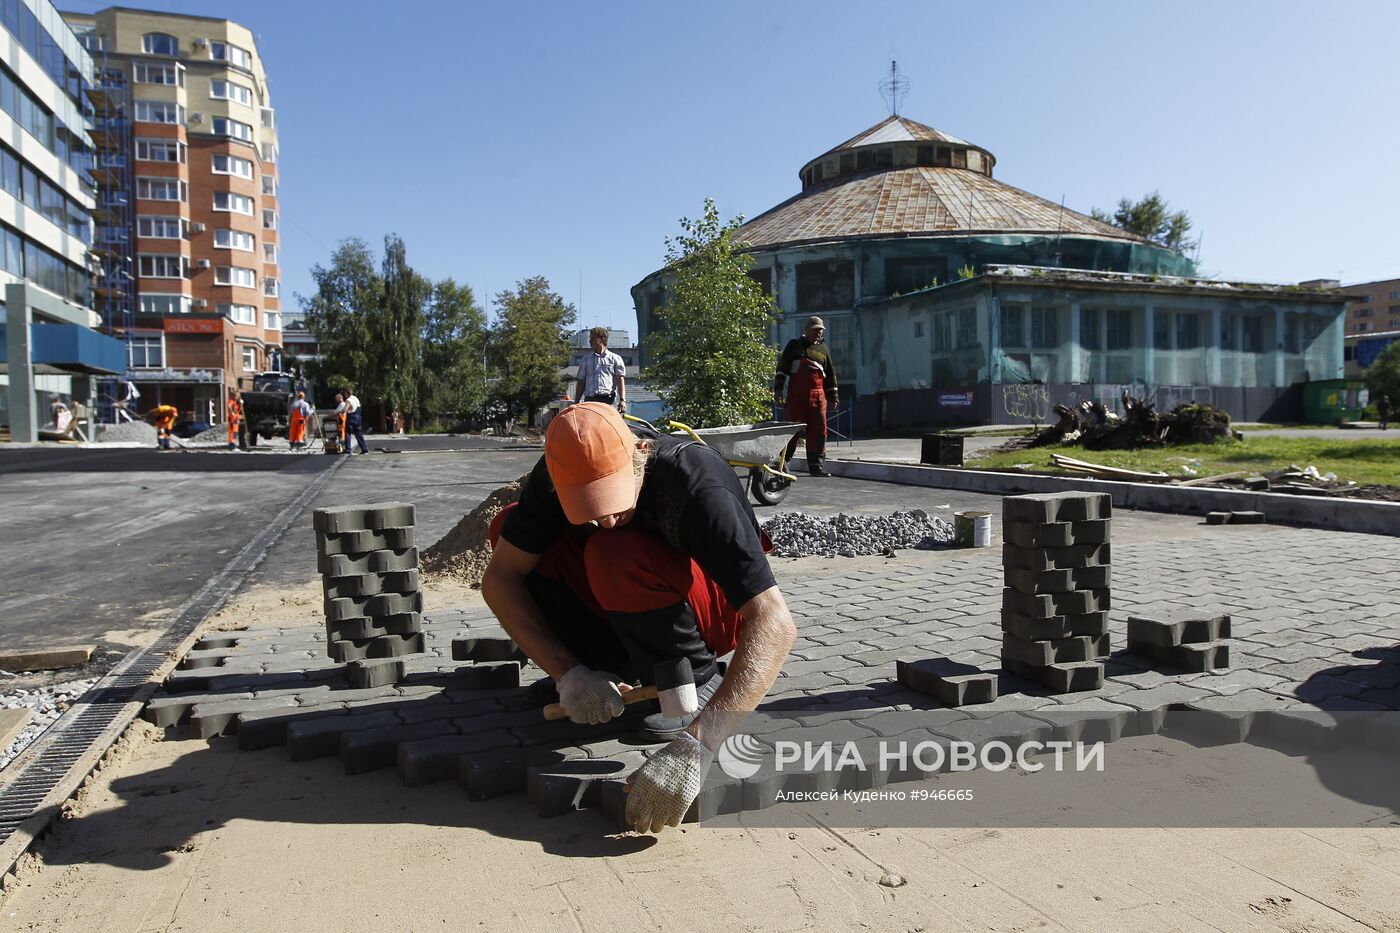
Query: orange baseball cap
{"points": [[588, 452]]}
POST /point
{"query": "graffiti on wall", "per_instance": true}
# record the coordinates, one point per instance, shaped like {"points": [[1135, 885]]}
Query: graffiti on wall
{"points": [[1028, 401]]}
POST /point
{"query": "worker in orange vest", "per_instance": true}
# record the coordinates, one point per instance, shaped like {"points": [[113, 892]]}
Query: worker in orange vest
{"points": [[164, 417], [235, 417], [301, 411], [342, 417]]}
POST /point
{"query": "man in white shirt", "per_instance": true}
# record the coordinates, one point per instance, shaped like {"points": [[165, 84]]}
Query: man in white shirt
{"points": [[601, 374], [353, 424]]}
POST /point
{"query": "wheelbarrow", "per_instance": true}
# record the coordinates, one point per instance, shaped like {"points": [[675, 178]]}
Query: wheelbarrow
{"points": [[760, 448]]}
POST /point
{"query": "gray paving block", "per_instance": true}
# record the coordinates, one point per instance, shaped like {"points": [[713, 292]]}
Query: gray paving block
{"points": [[1217, 518], [487, 648], [1055, 650], [211, 657], [383, 561], [217, 640], [1178, 628], [210, 719], [165, 711], [320, 737], [357, 543], [428, 760], [1194, 658], [339, 519], [1045, 605], [1037, 534], [1058, 581], [1092, 719], [574, 784], [953, 683], [1042, 508], [1066, 677], [1313, 728], [268, 728], [385, 604], [407, 623], [1214, 724], [1040, 559], [370, 749], [380, 647], [370, 584], [1031, 628], [374, 672], [1091, 532], [1011, 728], [487, 775], [1247, 518]]}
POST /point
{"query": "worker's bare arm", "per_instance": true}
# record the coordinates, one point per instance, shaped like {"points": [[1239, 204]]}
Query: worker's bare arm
{"points": [[503, 588], [765, 637]]}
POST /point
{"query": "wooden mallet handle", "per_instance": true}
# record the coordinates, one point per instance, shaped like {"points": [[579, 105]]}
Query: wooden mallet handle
{"points": [[635, 695]]}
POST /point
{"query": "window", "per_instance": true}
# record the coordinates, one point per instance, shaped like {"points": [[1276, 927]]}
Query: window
{"points": [[1119, 326], [825, 286], [967, 327], [269, 220], [1188, 331], [918, 329], [159, 111], [159, 43], [160, 150], [157, 266], [269, 153], [239, 314], [161, 189], [1227, 332], [1253, 334], [1392, 296], [232, 165], [229, 90], [236, 203], [147, 351], [1045, 328], [168, 75], [1363, 312], [1161, 331], [1089, 328], [235, 275], [250, 359], [1363, 328], [269, 186], [164, 304], [1013, 329], [159, 228], [234, 55], [233, 239], [272, 320], [270, 253], [270, 287], [269, 118], [226, 127]]}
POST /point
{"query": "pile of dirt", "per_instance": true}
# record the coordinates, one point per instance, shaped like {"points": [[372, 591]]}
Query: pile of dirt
{"points": [[464, 552], [218, 434], [128, 432], [1093, 426]]}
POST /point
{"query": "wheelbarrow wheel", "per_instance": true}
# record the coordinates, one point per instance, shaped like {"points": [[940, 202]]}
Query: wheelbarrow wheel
{"points": [[767, 488]]}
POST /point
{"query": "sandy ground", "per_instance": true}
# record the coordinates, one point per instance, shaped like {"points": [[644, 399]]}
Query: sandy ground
{"points": [[183, 835]]}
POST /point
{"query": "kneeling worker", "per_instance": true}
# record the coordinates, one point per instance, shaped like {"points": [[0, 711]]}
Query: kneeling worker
{"points": [[628, 549]]}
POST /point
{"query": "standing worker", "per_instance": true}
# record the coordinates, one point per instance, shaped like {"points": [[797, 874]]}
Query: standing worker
{"points": [[300, 413], [235, 418], [353, 424], [1383, 409], [813, 388], [164, 417], [340, 416], [601, 375]]}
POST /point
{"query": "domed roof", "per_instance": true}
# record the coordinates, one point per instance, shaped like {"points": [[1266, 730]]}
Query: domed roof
{"points": [[902, 178]]}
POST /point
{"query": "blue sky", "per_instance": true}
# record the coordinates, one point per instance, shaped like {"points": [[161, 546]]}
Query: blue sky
{"points": [[503, 141]]}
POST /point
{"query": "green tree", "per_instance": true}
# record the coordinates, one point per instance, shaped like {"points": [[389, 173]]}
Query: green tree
{"points": [[710, 358], [1383, 375], [1153, 218], [395, 331], [529, 346], [453, 373], [347, 297]]}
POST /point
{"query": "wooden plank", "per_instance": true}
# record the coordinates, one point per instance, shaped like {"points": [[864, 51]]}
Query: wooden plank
{"points": [[12, 723], [46, 659], [1213, 479]]}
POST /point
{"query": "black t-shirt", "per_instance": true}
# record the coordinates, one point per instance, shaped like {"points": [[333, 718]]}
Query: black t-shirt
{"points": [[690, 496]]}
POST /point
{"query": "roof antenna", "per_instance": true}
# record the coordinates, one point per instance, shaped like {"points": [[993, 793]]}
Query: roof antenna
{"points": [[894, 88]]}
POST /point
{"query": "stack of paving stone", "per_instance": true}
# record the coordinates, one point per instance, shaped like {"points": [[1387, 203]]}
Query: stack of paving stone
{"points": [[1054, 616], [369, 573], [1195, 643]]}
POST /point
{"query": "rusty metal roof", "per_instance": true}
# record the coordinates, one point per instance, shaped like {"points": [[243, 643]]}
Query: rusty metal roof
{"points": [[909, 201], [896, 130]]}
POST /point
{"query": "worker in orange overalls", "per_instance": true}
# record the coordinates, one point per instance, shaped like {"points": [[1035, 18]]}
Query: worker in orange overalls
{"points": [[164, 417], [235, 417], [811, 392], [342, 417], [301, 411]]}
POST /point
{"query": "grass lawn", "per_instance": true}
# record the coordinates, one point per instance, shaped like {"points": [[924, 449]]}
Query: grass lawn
{"points": [[1364, 462]]}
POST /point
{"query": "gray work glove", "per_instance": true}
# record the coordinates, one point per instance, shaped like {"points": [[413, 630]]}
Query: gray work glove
{"points": [[589, 696], [664, 788]]}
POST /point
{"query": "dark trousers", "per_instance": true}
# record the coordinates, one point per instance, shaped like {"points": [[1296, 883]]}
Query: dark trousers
{"points": [[608, 399], [353, 426]]}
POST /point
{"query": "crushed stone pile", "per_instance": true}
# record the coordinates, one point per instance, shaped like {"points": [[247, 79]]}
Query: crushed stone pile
{"points": [[464, 552], [795, 534], [218, 434], [128, 432], [48, 703]]}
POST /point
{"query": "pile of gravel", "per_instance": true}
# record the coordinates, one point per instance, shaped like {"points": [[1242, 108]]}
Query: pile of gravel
{"points": [[48, 703], [128, 432], [795, 534], [218, 434]]}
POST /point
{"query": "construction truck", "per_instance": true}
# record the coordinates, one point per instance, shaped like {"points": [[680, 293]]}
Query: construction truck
{"points": [[267, 407]]}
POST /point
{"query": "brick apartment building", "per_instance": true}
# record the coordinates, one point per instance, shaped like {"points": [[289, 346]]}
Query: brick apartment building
{"points": [[1373, 322], [187, 210]]}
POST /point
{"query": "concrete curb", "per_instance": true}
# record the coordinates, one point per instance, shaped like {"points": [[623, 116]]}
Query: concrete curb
{"points": [[1366, 517]]}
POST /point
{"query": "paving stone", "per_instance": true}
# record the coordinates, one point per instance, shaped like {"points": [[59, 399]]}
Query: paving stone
{"points": [[370, 749], [208, 720], [408, 623], [320, 737], [1154, 702], [1031, 628], [268, 728], [1047, 605], [383, 647], [1092, 719], [574, 784], [1040, 559], [1246, 518], [1042, 508], [1192, 658], [216, 640], [1058, 581], [1217, 518], [166, 711], [385, 604], [339, 519], [1055, 650], [487, 775], [1038, 534], [953, 683], [1011, 728], [211, 657], [497, 675], [370, 584], [1061, 677], [487, 649], [345, 565], [1171, 629], [356, 543]]}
